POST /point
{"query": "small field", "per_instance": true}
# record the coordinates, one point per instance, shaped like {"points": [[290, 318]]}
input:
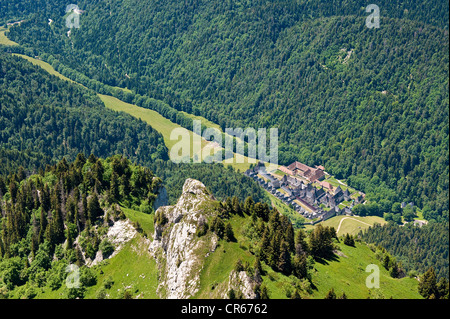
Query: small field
{"points": [[153, 118], [352, 224], [4, 39], [47, 67]]}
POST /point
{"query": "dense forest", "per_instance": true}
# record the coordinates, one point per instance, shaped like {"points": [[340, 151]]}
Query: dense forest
{"points": [[44, 115], [371, 105], [44, 119], [417, 248], [41, 216]]}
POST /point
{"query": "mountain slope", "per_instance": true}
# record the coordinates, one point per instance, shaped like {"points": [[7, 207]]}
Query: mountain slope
{"points": [[201, 248]]}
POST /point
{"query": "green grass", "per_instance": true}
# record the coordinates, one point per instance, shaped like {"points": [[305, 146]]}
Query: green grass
{"points": [[204, 121], [347, 274], [153, 118], [352, 224], [4, 39], [217, 268], [47, 67], [132, 266], [145, 220]]}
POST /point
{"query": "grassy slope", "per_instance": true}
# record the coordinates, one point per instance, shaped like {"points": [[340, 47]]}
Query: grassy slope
{"points": [[133, 267], [348, 274], [353, 224], [47, 67], [154, 119]]}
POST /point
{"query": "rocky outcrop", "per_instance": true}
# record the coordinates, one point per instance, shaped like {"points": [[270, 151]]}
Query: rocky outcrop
{"points": [[179, 252], [242, 284], [118, 234]]}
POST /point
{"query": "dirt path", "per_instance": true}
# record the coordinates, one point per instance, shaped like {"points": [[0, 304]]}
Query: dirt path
{"points": [[340, 223]]}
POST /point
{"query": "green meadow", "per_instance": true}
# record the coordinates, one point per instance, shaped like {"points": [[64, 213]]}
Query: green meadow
{"points": [[352, 224], [4, 39]]}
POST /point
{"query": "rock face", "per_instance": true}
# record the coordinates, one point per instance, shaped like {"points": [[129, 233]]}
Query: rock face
{"points": [[179, 252], [242, 283], [162, 198], [119, 234]]}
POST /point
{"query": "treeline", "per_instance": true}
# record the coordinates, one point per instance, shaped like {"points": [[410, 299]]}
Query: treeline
{"points": [[353, 115], [280, 247], [222, 181], [58, 216], [417, 248]]}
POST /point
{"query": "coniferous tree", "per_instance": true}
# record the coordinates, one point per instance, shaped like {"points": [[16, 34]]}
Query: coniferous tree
{"points": [[301, 245], [428, 285], [94, 210], [443, 288], [249, 206], [300, 266], [284, 260], [114, 192], [265, 250], [229, 235], [236, 206]]}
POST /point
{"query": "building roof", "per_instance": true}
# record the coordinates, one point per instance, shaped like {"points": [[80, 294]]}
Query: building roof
{"points": [[300, 166], [327, 185]]}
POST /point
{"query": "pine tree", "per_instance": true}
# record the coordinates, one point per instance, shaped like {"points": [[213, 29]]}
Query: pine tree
{"points": [[94, 210], [42, 225], [428, 285], [114, 193], [265, 250], [284, 260], [343, 296], [300, 266], [394, 271], [264, 292], [249, 206], [348, 240], [301, 245], [229, 235], [257, 270], [236, 206], [443, 288]]}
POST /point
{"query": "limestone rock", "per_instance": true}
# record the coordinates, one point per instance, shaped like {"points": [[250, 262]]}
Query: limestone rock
{"points": [[180, 253]]}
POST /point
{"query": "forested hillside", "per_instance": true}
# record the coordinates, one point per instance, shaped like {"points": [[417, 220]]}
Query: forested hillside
{"points": [[66, 202], [371, 105], [41, 114], [418, 248], [44, 119]]}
